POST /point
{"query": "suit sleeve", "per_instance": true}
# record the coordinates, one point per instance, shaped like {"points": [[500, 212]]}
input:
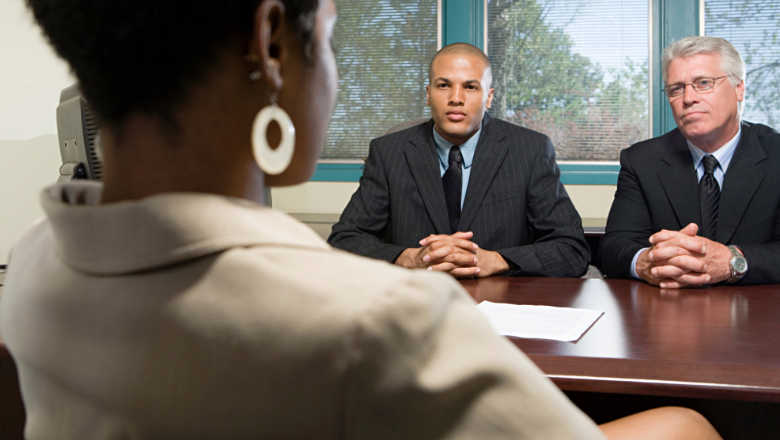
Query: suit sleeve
{"points": [[559, 248], [426, 364], [763, 258], [362, 227], [629, 225]]}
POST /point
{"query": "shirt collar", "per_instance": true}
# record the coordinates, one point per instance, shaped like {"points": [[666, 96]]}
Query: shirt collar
{"points": [[467, 148], [723, 154]]}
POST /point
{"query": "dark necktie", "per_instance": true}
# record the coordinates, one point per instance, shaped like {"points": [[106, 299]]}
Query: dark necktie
{"points": [[453, 186], [709, 196]]}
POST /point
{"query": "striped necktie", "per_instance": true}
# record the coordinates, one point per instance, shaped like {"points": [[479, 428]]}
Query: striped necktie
{"points": [[453, 187], [709, 197]]}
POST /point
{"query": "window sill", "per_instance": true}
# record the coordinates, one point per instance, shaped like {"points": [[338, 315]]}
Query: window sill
{"points": [[572, 173]]}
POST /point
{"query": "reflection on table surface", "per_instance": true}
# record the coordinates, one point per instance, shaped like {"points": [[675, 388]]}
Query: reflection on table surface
{"points": [[718, 339]]}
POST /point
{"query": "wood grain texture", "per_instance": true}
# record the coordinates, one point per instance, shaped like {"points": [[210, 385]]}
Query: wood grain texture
{"points": [[720, 342], [11, 407]]}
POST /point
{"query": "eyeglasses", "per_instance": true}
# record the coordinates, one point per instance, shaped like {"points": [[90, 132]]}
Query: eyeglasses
{"points": [[700, 85]]}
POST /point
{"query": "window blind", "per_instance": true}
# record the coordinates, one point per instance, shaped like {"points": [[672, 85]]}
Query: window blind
{"points": [[576, 71], [752, 26], [383, 48]]}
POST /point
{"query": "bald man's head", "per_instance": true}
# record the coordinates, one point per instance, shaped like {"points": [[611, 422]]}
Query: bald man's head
{"points": [[464, 49]]}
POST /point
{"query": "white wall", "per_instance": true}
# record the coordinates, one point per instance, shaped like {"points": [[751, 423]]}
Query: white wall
{"points": [[591, 201], [31, 78], [27, 167]]}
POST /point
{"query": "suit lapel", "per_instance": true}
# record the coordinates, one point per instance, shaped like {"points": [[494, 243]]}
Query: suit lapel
{"points": [[424, 164], [488, 157], [740, 183], [679, 180]]}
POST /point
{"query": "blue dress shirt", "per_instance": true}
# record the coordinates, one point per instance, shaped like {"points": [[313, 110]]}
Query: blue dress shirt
{"points": [[723, 154], [467, 150]]}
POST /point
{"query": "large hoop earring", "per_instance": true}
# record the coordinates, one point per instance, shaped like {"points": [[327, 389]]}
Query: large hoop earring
{"points": [[272, 161]]}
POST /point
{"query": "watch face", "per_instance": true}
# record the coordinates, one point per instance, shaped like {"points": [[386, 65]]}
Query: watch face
{"points": [[740, 264]]}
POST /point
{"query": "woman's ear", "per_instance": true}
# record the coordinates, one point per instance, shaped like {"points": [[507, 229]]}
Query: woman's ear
{"points": [[269, 44]]}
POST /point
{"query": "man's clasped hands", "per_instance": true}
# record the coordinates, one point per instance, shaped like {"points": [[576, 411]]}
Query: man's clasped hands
{"points": [[455, 254], [679, 259]]}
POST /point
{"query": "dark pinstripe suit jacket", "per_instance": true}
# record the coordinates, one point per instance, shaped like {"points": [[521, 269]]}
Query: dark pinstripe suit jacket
{"points": [[515, 203]]}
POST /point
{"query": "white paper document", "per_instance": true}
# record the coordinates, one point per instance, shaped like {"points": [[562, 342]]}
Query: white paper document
{"points": [[539, 322]]}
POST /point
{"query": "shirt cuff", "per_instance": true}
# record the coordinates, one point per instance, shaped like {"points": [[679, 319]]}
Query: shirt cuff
{"points": [[633, 263]]}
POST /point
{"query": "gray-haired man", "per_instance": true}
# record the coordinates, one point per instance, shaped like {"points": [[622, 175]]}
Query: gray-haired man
{"points": [[699, 205]]}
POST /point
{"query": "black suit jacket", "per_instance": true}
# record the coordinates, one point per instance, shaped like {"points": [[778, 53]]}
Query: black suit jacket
{"points": [[515, 203], [658, 189]]}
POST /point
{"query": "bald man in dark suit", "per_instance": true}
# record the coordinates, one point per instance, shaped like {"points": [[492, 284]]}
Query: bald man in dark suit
{"points": [[464, 193]]}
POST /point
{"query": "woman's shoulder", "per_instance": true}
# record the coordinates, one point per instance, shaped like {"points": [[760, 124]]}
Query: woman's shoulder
{"points": [[331, 275], [314, 297]]}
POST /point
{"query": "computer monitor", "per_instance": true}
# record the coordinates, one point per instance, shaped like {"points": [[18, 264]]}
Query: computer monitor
{"points": [[77, 128]]}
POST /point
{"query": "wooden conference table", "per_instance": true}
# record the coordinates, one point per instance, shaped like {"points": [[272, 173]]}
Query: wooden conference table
{"points": [[715, 350], [720, 342]]}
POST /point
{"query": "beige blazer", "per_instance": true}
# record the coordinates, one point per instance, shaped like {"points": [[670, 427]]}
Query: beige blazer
{"points": [[198, 316]]}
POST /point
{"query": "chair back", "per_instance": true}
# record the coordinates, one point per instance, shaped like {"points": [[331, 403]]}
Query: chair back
{"points": [[406, 124]]}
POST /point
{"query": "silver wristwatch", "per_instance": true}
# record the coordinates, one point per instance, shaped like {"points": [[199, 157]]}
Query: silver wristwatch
{"points": [[737, 264]]}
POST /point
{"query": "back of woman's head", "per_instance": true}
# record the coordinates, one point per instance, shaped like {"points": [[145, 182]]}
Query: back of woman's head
{"points": [[141, 56]]}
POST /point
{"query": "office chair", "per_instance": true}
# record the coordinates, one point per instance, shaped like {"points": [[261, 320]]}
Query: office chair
{"points": [[593, 272], [406, 124]]}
